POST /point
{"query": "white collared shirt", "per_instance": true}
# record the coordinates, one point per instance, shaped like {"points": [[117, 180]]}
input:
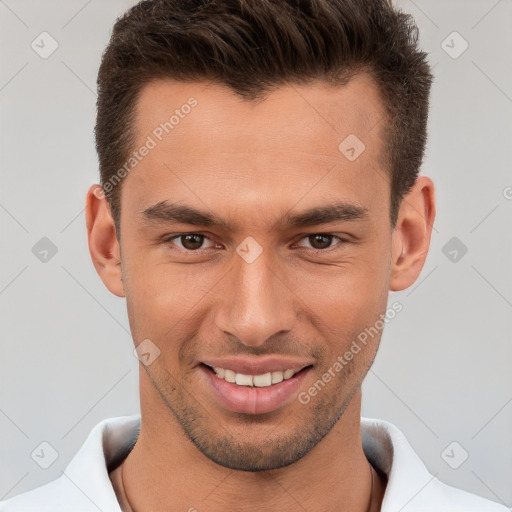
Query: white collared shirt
{"points": [[85, 485]]}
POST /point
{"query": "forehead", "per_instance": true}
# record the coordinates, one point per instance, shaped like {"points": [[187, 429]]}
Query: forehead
{"points": [[204, 139], [291, 114]]}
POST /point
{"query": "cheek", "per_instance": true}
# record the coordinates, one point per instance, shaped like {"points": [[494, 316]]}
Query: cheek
{"points": [[163, 298], [344, 300]]}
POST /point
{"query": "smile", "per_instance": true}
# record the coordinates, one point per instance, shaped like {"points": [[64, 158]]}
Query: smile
{"points": [[255, 392], [260, 381]]}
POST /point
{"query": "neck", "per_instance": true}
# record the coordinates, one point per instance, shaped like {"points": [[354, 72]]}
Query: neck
{"points": [[165, 471]]}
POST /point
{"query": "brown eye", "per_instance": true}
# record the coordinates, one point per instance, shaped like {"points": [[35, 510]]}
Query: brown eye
{"points": [[320, 241], [192, 241], [188, 241]]}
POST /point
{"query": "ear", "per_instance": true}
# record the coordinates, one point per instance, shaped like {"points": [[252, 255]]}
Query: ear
{"points": [[103, 245], [411, 236]]}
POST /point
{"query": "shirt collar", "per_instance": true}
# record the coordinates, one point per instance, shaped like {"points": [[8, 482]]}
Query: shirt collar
{"points": [[410, 486]]}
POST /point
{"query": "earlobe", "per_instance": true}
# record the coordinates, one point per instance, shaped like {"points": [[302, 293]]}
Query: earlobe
{"points": [[103, 245], [411, 236]]}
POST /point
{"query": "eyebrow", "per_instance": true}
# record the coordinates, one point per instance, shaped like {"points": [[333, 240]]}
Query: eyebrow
{"points": [[163, 213]]}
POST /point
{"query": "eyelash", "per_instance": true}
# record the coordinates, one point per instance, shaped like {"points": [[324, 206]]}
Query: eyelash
{"points": [[170, 239]]}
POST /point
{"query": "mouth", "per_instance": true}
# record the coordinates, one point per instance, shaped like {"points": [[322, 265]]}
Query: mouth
{"points": [[253, 393], [262, 380]]}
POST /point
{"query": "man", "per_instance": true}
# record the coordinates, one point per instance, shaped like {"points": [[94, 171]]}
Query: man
{"points": [[259, 198]]}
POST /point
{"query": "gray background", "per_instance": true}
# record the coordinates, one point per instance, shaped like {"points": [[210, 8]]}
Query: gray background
{"points": [[442, 374]]}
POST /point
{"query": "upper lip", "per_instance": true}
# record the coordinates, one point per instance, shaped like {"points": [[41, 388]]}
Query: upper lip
{"points": [[257, 365]]}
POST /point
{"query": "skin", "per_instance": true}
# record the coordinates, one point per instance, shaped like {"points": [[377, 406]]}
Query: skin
{"points": [[251, 163]]}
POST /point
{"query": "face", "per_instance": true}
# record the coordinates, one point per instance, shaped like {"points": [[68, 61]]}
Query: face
{"points": [[251, 245]]}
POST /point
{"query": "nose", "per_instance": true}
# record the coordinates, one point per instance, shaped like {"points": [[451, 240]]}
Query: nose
{"points": [[256, 301]]}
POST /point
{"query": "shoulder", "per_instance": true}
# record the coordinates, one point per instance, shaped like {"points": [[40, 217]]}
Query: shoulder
{"points": [[55, 496], [452, 499], [411, 487], [84, 485]]}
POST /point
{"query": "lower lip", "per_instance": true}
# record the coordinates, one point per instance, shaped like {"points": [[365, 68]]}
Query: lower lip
{"points": [[253, 400]]}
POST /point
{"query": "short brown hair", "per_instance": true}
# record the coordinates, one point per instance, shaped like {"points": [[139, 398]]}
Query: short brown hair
{"points": [[254, 45]]}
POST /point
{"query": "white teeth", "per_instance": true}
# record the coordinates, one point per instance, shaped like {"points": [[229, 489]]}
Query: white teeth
{"points": [[288, 373], [260, 381], [229, 376], [243, 380], [277, 377]]}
